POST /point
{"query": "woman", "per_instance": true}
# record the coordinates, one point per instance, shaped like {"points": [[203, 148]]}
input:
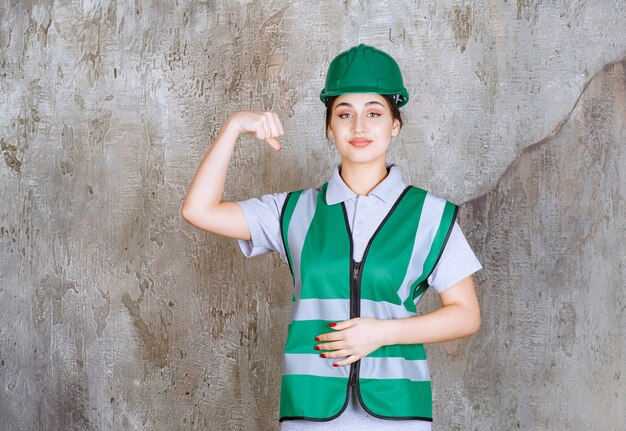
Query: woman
{"points": [[362, 249]]}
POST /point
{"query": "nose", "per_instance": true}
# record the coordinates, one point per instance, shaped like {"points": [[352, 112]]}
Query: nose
{"points": [[359, 124]]}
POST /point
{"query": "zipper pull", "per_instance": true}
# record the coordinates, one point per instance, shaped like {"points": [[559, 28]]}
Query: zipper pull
{"points": [[355, 271]]}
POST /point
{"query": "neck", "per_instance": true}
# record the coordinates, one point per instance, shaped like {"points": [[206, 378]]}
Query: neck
{"points": [[362, 178]]}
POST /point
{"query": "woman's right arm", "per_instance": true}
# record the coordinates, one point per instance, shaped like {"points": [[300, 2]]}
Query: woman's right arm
{"points": [[203, 206]]}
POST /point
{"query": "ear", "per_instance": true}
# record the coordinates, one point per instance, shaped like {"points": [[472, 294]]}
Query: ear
{"points": [[395, 128], [330, 133]]}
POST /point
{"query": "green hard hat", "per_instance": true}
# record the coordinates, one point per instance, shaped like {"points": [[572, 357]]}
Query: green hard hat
{"points": [[365, 69]]}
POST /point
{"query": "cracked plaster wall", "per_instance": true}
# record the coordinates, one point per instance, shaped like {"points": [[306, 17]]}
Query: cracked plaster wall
{"points": [[118, 315]]}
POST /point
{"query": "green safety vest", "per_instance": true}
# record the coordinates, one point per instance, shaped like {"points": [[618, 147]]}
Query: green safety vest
{"points": [[329, 286]]}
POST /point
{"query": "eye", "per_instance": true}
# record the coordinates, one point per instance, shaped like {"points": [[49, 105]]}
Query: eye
{"points": [[374, 114], [345, 115]]}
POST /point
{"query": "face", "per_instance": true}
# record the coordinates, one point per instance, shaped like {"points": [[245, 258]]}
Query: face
{"points": [[362, 126]]}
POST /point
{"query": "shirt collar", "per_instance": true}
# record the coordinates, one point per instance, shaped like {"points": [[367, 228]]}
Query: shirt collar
{"points": [[387, 190]]}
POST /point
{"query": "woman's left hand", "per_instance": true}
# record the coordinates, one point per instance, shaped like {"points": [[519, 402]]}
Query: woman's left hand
{"points": [[352, 339]]}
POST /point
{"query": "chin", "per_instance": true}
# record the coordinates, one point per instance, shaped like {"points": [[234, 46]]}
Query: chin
{"points": [[362, 154], [363, 159]]}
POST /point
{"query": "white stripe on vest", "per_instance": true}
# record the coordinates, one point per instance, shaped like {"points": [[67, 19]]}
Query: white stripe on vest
{"points": [[298, 227], [371, 367], [430, 218]]}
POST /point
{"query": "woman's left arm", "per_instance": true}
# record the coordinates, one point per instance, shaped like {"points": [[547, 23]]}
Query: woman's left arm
{"points": [[458, 317]]}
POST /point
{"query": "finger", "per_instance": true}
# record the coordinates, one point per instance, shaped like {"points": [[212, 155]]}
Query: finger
{"points": [[266, 128], [342, 353], [274, 128], [335, 345], [279, 123], [338, 326], [349, 360], [330, 336], [271, 122], [274, 143]]}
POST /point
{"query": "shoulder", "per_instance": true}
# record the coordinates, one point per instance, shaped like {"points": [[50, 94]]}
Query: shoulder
{"points": [[293, 196], [268, 202], [436, 215], [431, 199]]}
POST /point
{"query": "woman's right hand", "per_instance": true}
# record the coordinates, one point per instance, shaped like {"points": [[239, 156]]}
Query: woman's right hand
{"points": [[263, 125]]}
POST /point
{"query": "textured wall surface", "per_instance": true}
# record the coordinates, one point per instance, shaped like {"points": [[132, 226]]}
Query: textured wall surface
{"points": [[116, 314], [551, 351]]}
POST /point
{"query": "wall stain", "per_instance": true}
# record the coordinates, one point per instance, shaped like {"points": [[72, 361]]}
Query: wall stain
{"points": [[461, 20], [219, 318], [249, 336], [47, 300], [44, 26], [155, 347], [101, 312], [25, 126], [72, 404], [99, 126], [528, 9], [70, 151], [566, 328], [89, 42], [236, 83], [177, 51], [273, 22], [59, 289], [10, 156]]}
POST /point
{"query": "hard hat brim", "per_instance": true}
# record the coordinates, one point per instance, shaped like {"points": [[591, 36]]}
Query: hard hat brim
{"points": [[324, 95]]}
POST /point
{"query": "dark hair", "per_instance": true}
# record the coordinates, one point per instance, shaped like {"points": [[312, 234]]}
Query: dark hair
{"points": [[395, 111]]}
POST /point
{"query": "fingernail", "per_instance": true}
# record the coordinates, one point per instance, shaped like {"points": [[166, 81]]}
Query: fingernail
{"points": [[332, 325], [317, 338], [335, 365], [323, 355], [317, 348]]}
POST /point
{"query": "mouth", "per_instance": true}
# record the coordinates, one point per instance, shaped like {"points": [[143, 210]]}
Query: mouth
{"points": [[360, 142]]}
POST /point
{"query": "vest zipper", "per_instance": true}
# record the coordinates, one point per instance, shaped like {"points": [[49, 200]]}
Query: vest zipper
{"points": [[355, 310], [354, 290], [355, 287]]}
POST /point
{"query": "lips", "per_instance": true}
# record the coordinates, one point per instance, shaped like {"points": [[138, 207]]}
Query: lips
{"points": [[360, 142]]}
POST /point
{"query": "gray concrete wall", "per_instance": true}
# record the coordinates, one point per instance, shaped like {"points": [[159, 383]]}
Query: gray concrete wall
{"points": [[116, 314]]}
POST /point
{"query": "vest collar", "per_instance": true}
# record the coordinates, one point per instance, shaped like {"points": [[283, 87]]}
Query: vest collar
{"points": [[387, 190]]}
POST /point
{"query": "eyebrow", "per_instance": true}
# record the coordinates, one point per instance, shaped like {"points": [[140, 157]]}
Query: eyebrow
{"points": [[373, 102]]}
